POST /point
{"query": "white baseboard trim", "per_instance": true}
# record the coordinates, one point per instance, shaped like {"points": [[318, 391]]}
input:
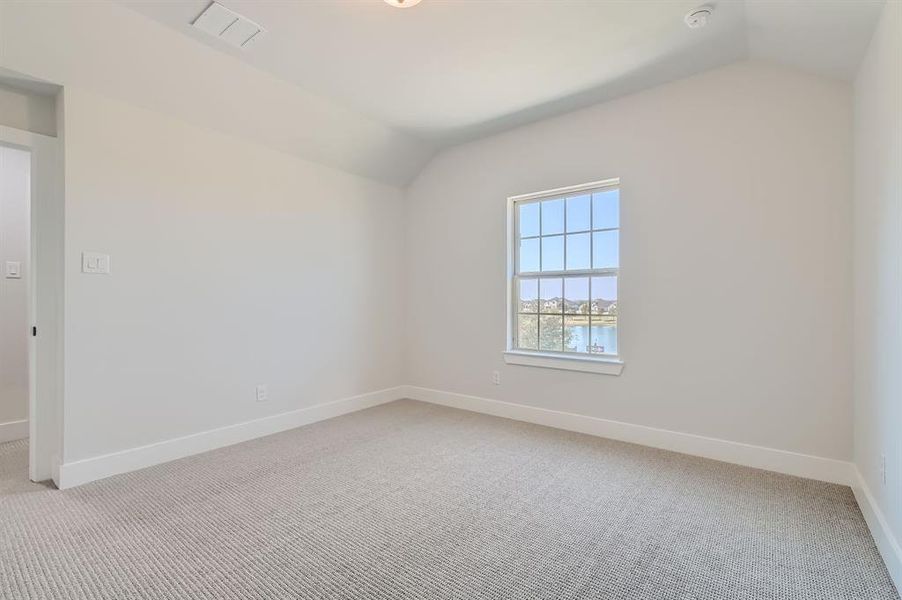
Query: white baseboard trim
{"points": [[813, 467], [83, 471], [13, 430], [759, 457], [770, 459], [886, 542]]}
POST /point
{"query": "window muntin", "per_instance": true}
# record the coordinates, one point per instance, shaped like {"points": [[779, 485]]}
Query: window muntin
{"points": [[566, 266]]}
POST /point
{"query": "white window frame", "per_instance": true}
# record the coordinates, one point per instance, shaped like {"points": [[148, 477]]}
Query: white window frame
{"points": [[607, 364]]}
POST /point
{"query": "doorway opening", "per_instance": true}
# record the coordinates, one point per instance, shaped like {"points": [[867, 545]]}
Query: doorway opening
{"points": [[15, 326], [31, 282]]}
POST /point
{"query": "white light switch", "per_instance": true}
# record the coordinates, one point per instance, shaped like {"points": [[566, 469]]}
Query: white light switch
{"points": [[262, 394], [13, 269], [94, 262]]}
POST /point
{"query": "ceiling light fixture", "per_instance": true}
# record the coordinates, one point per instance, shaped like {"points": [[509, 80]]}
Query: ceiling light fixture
{"points": [[402, 3], [698, 18]]}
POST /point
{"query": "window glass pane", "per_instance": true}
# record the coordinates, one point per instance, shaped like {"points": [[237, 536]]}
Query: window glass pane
{"points": [[605, 249], [529, 256], [578, 251], [529, 295], [604, 338], [529, 219], [528, 332], [552, 216], [576, 333], [551, 296], [576, 314], [578, 213], [551, 333], [604, 295], [606, 209], [576, 295], [553, 253], [604, 315]]}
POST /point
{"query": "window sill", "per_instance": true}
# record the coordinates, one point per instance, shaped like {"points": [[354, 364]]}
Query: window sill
{"points": [[602, 366]]}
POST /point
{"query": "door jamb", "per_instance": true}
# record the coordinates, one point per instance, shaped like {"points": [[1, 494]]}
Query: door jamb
{"points": [[44, 350]]}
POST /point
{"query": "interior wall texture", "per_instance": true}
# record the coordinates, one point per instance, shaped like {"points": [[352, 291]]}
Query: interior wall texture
{"points": [[27, 111], [237, 258], [15, 172], [232, 265], [878, 266], [235, 264], [735, 299]]}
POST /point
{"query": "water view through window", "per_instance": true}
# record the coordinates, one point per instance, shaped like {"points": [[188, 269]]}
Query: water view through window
{"points": [[567, 252]]}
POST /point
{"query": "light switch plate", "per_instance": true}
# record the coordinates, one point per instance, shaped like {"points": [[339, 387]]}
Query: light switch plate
{"points": [[262, 393], [13, 269], [94, 262]]}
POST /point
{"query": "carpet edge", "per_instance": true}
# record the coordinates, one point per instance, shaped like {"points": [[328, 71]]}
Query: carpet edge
{"points": [[84, 471], [887, 544], [760, 457]]}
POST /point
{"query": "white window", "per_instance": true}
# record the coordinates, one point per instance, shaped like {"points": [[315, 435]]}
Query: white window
{"points": [[564, 274]]}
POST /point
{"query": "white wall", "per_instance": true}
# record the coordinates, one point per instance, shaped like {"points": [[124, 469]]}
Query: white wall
{"points": [[232, 265], [736, 259], [117, 52], [15, 172], [878, 268], [736, 188], [235, 260], [27, 111]]}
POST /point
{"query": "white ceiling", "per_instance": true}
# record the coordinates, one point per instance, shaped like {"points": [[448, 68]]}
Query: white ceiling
{"points": [[448, 71], [828, 37]]}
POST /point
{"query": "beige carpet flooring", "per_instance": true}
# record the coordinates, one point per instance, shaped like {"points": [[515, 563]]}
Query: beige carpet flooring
{"points": [[410, 500]]}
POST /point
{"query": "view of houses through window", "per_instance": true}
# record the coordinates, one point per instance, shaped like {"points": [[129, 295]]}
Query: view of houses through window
{"points": [[567, 259]]}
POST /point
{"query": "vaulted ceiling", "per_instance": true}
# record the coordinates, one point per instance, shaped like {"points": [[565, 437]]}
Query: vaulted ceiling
{"points": [[376, 90]]}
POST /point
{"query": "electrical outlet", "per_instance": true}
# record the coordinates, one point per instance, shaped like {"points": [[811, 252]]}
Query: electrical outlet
{"points": [[496, 377], [13, 269], [883, 469], [262, 394]]}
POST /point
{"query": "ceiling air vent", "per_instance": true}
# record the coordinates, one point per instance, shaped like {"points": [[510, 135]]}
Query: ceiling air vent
{"points": [[227, 25]]}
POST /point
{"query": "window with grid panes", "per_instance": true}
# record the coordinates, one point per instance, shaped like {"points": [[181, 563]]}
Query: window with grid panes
{"points": [[566, 255]]}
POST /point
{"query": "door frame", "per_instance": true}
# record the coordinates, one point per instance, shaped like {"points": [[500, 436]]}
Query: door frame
{"points": [[45, 290]]}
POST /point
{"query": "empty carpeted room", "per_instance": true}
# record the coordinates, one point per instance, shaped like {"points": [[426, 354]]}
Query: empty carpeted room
{"points": [[450, 299]]}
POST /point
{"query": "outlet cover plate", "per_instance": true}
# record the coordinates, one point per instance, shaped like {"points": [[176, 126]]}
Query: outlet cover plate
{"points": [[13, 269], [95, 262]]}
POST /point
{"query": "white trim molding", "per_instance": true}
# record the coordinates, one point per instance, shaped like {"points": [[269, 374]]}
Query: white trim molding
{"points": [[758, 457], [563, 191], [606, 364], [86, 470], [13, 430], [603, 366], [887, 544], [45, 352]]}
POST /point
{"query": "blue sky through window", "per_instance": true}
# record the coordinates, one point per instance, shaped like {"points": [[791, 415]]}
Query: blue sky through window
{"points": [[552, 217], [577, 312], [606, 209], [579, 213], [551, 226]]}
